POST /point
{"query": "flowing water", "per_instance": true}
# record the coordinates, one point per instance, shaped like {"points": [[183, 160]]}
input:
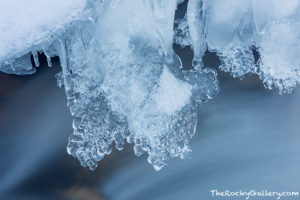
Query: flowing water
{"points": [[247, 139]]}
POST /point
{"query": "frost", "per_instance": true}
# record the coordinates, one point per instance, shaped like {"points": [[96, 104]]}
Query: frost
{"points": [[123, 81]]}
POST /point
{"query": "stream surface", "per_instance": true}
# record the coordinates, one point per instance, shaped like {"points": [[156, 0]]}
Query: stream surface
{"points": [[248, 138]]}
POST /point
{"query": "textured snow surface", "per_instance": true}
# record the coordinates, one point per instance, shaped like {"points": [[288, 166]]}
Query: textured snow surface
{"points": [[123, 80], [32, 25]]}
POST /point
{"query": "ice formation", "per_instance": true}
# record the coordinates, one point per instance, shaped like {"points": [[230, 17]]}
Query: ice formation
{"points": [[234, 28], [123, 80], [126, 83]]}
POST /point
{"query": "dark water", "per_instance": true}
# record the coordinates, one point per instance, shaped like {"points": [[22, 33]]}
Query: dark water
{"points": [[247, 138]]}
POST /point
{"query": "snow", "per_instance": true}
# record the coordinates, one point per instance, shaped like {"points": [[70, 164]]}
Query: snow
{"points": [[25, 24]]}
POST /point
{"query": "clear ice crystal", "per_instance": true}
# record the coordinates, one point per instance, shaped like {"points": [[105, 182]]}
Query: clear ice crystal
{"points": [[127, 84], [122, 79]]}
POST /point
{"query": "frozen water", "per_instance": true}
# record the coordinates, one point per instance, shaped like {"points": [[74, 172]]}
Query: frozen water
{"points": [[123, 80], [196, 20], [278, 42], [30, 26], [235, 27], [135, 87], [182, 35], [230, 32]]}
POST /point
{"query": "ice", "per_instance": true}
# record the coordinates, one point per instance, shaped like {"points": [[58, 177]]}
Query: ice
{"points": [[172, 94], [32, 25], [196, 20], [19, 66], [224, 21], [139, 92], [235, 28], [230, 32], [278, 30], [182, 35], [122, 79]]}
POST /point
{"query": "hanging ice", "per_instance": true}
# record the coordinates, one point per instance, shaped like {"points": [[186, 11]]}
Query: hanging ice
{"points": [[236, 27], [30, 26], [278, 27], [134, 86], [123, 80]]}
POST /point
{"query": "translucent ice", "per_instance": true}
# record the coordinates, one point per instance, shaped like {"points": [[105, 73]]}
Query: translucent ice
{"points": [[123, 80], [278, 29], [230, 32], [234, 28], [135, 88], [196, 22]]}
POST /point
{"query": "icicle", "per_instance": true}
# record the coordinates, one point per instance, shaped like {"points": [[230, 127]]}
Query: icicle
{"points": [[63, 56], [12, 66], [196, 23], [80, 39], [163, 16], [35, 58], [49, 61], [48, 58]]}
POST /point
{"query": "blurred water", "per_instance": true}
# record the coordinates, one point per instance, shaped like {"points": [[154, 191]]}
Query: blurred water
{"points": [[34, 126], [247, 138]]}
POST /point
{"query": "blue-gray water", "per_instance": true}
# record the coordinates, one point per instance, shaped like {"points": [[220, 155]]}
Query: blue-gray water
{"points": [[247, 138]]}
